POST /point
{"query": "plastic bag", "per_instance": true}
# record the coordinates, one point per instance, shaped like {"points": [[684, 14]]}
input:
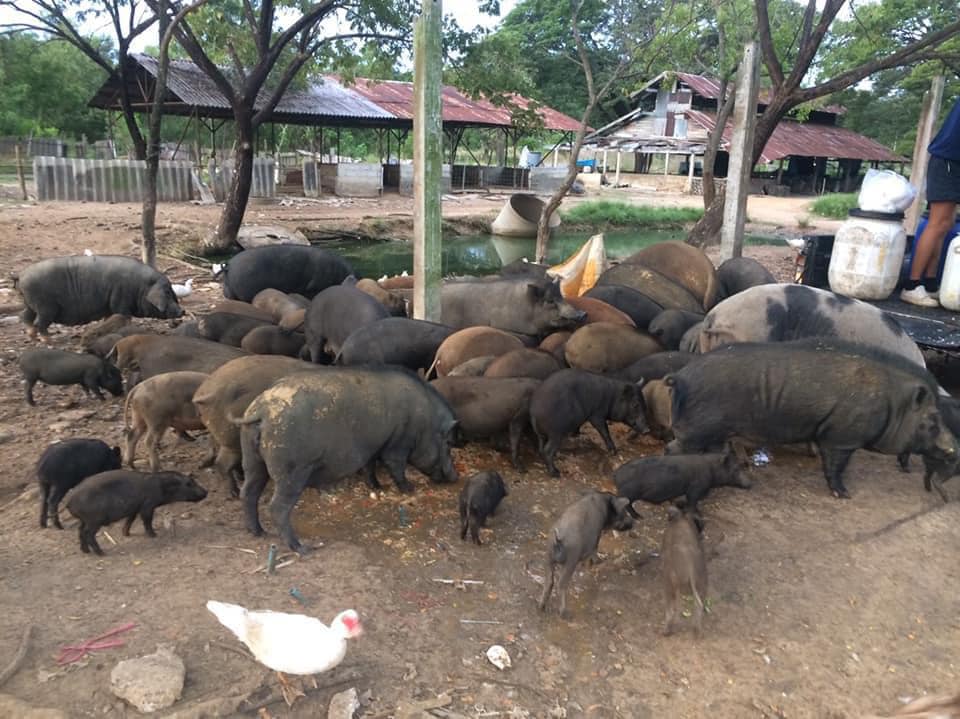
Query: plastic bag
{"points": [[885, 191]]}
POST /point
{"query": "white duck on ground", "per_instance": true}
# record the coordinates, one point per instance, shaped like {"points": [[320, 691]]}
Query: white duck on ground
{"points": [[290, 643], [183, 290]]}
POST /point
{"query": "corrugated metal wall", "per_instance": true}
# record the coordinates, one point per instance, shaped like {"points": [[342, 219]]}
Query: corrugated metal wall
{"points": [[262, 185], [70, 179]]}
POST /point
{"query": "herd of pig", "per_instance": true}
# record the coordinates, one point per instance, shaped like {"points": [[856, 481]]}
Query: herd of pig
{"points": [[303, 375]]}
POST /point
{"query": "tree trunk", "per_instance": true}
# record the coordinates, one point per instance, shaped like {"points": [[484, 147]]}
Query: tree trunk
{"points": [[239, 192], [707, 229], [543, 224], [148, 216]]}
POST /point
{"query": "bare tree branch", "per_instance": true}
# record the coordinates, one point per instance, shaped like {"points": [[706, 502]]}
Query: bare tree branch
{"points": [[808, 49]]}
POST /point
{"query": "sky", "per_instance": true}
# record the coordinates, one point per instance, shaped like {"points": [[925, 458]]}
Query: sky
{"points": [[466, 13]]}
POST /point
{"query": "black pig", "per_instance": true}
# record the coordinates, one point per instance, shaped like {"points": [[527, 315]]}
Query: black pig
{"points": [[570, 397], [479, 499], [63, 465], [125, 494], [62, 367], [658, 479]]}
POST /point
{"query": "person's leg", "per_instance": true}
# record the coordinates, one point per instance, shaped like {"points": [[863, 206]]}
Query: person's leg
{"points": [[942, 218]]}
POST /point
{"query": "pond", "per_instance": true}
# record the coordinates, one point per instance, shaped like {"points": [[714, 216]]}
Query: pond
{"points": [[486, 254]]}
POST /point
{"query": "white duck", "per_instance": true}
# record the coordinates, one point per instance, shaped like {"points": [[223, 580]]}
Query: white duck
{"points": [[183, 290], [290, 643]]}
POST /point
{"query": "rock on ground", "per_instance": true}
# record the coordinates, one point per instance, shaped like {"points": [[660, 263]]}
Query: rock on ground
{"points": [[344, 704], [151, 682]]}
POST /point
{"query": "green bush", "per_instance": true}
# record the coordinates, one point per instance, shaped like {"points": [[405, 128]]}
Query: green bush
{"points": [[611, 212], [835, 206]]}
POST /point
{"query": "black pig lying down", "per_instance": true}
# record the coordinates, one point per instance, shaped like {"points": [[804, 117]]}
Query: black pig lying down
{"points": [[840, 396], [288, 268], [80, 289], [313, 428], [125, 494]]}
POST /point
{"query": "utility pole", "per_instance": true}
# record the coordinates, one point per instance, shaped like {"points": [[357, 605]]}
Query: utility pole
{"points": [[741, 154], [932, 100], [427, 161]]}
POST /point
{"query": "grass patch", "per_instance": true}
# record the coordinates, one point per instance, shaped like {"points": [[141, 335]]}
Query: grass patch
{"points": [[835, 206], [609, 212]]}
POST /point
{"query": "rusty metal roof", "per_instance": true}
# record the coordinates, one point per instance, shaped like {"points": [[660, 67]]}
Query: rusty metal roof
{"points": [[457, 108], [808, 139], [327, 102]]}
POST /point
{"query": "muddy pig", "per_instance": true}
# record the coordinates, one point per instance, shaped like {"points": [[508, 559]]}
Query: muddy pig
{"points": [[655, 366], [938, 471], [658, 479], [472, 367], [394, 303], [62, 367], [277, 304], [527, 362], [479, 499], [576, 535], [272, 340], [570, 397], [657, 400], [472, 342], [123, 493], [228, 328], [684, 566], [165, 400], [63, 465], [102, 346]]}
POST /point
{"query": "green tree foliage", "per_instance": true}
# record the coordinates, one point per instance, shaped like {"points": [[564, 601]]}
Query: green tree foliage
{"points": [[46, 86]]}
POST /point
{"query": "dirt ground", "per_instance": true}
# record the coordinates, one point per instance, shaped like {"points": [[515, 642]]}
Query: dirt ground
{"points": [[819, 607]]}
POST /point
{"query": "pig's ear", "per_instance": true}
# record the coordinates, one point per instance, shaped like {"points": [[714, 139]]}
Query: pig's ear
{"points": [[349, 281], [640, 382], [535, 292], [621, 504], [920, 397], [156, 296]]}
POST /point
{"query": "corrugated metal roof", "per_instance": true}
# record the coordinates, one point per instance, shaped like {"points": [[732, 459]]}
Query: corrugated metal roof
{"points": [[192, 86], [808, 139], [397, 97], [709, 88], [369, 102]]}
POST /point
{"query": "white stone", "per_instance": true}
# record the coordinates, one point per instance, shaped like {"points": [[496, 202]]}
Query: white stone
{"points": [[344, 704], [149, 683]]}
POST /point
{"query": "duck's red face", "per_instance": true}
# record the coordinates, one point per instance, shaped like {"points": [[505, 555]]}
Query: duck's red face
{"points": [[351, 622]]}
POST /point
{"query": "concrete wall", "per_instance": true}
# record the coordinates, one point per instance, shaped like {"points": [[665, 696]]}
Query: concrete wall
{"points": [[359, 179], [545, 180], [67, 179], [311, 178]]}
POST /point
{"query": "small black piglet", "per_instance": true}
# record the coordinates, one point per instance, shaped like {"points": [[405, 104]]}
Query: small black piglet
{"points": [[61, 367], [63, 465], [479, 499], [659, 479], [576, 535], [125, 494]]}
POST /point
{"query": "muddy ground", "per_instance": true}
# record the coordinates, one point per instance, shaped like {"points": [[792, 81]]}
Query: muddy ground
{"points": [[820, 607]]}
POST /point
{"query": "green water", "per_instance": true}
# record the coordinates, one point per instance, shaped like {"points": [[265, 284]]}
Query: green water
{"points": [[486, 254]]}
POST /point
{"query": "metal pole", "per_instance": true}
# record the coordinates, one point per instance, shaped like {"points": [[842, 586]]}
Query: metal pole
{"points": [[741, 154], [427, 161]]}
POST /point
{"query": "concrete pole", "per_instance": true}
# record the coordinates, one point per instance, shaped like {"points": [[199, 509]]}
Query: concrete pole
{"points": [[616, 181], [932, 99], [603, 162], [427, 161], [666, 163], [692, 161], [741, 154]]}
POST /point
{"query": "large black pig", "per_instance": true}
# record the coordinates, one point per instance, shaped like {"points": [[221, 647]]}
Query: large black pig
{"points": [[394, 340], [311, 429], [333, 315], [289, 268], [840, 396], [525, 306], [79, 289]]}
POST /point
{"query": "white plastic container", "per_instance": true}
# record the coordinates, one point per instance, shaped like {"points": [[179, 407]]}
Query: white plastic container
{"points": [[950, 281], [867, 255]]}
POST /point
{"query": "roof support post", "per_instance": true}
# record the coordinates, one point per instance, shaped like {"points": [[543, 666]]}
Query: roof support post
{"points": [[692, 161], [741, 160], [427, 161], [918, 169]]}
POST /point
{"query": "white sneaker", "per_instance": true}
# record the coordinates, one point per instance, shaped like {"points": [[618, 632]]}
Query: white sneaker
{"points": [[919, 296]]}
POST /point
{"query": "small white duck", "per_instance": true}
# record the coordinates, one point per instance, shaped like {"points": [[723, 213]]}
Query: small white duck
{"points": [[88, 252], [183, 290], [290, 643]]}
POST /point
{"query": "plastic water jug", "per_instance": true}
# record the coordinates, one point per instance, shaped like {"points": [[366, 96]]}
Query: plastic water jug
{"points": [[867, 255], [950, 282]]}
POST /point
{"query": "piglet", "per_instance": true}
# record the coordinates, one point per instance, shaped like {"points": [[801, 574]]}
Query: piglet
{"points": [[576, 535], [684, 566], [125, 494], [63, 465], [61, 367], [479, 499], [658, 479]]}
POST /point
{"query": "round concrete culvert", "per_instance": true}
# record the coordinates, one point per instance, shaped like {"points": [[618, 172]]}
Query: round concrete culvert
{"points": [[520, 215]]}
